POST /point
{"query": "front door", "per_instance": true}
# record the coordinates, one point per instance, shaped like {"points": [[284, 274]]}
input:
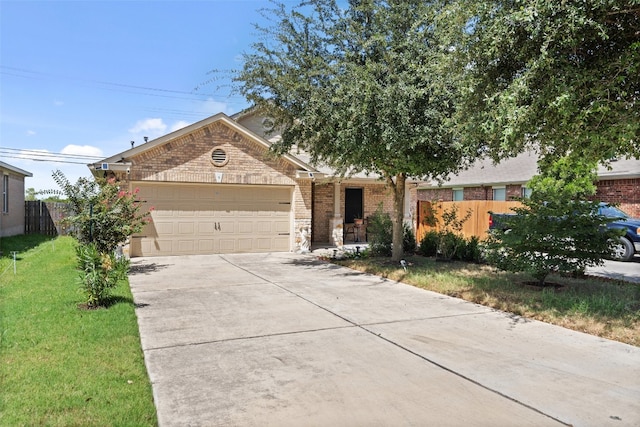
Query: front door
{"points": [[352, 204]]}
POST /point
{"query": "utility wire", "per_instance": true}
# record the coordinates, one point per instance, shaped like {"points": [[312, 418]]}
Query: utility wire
{"points": [[153, 89], [52, 160], [39, 153]]}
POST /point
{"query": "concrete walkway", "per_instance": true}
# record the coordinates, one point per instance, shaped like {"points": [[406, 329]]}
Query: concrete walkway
{"points": [[287, 340]]}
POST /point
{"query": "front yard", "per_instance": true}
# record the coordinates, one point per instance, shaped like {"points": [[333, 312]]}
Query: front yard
{"points": [[605, 308], [62, 365]]}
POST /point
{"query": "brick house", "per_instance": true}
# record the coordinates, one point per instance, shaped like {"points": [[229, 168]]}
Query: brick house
{"points": [[215, 188], [12, 215], [619, 185]]}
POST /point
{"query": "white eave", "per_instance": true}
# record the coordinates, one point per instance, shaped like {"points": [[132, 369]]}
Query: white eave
{"points": [[14, 169]]}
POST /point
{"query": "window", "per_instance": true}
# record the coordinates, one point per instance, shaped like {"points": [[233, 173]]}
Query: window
{"points": [[500, 193], [458, 194], [526, 193], [5, 193]]}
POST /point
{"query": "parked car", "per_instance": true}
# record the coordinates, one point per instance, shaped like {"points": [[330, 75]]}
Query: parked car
{"points": [[628, 244]]}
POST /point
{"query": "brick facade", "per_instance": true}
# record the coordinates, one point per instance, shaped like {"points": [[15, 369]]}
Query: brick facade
{"points": [[623, 192], [373, 195], [187, 159]]}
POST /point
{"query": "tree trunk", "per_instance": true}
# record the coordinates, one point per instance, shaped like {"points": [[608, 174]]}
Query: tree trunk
{"points": [[397, 250]]}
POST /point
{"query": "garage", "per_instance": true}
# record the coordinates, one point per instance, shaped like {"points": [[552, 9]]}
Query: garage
{"points": [[208, 218]]}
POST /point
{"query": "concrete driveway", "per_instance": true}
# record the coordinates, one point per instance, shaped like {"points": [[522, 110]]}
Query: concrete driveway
{"points": [[627, 271], [287, 340]]}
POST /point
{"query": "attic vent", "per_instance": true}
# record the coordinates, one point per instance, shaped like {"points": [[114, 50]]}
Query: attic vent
{"points": [[219, 157]]}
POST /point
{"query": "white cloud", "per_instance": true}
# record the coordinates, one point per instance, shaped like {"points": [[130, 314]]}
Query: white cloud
{"points": [[212, 106], [31, 132], [150, 126], [179, 125], [82, 150]]}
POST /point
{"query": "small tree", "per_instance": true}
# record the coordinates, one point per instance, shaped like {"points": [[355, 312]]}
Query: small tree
{"points": [[558, 229], [102, 217]]}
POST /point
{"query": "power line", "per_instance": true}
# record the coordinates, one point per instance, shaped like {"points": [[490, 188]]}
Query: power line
{"points": [[46, 160], [123, 85], [40, 153]]}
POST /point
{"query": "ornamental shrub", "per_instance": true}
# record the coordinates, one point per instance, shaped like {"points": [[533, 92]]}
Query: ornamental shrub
{"points": [[102, 213], [99, 272], [558, 229], [102, 217]]}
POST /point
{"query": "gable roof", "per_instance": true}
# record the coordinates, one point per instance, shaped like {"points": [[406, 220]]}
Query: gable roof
{"points": [[14, 169], [120, 159], [521, 168]]}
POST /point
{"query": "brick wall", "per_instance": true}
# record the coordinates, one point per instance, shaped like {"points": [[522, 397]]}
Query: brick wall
{"points": [[323, 211], [188, 159], [623, 192]]}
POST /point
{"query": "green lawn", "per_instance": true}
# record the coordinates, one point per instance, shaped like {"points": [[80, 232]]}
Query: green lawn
{"points": [[605, 308], [61, 365]]}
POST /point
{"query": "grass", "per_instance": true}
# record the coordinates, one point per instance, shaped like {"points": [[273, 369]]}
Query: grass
{"points": [[61, 365], [605, 308]]}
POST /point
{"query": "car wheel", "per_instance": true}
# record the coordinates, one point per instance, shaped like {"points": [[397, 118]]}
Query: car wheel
{"points": [[623, 250]]}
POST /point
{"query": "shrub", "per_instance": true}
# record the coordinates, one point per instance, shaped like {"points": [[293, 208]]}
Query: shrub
{"points": [[472, 251], [103, 216], [408, 239], [557, 229], [99, 272], [380, 229], [429, 244], [102, 213]]}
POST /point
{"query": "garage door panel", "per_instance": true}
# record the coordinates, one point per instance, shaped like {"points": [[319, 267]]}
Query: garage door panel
{"points": [[187, 228], [208, 227], [206, 245], [186, 246], [245, 245], [226, 227], [281, 244], [227, 246], [281, 227], [197, 218], [245, 227], [164, 228]]}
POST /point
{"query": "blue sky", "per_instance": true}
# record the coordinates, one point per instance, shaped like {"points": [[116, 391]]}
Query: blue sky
{"points": [[88, 77]]}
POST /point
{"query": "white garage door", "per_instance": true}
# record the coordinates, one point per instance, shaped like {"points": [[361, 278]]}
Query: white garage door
{"points": [[207, 219]]}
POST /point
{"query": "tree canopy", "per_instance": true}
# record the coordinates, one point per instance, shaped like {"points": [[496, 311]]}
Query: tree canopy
{"points": [[562, 76], [360, 89]]}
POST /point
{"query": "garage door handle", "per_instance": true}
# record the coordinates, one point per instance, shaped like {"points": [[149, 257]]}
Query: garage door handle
{"points": [[283, 234]]}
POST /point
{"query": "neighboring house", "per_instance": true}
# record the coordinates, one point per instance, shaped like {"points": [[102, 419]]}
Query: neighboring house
{"points": [[12, 216], [619, 184], [215, 187]]}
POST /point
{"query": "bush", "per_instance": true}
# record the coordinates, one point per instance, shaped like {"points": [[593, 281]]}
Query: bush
{"points": [[450, 246], [472, 251], [99, 272], [380, 229], [558, 230], [103, 216], [408, 239], [429, 244]]}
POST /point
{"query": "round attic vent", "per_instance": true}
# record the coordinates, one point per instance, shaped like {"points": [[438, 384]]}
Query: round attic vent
{"points": [[219, 157]]}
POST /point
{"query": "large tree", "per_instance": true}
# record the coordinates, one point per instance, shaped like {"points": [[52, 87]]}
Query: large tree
{"points": [[360, 89], [562, 76]]}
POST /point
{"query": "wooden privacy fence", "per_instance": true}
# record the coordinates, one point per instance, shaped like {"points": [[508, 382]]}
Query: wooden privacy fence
{"points": [[476, 225], [44, 217]]}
